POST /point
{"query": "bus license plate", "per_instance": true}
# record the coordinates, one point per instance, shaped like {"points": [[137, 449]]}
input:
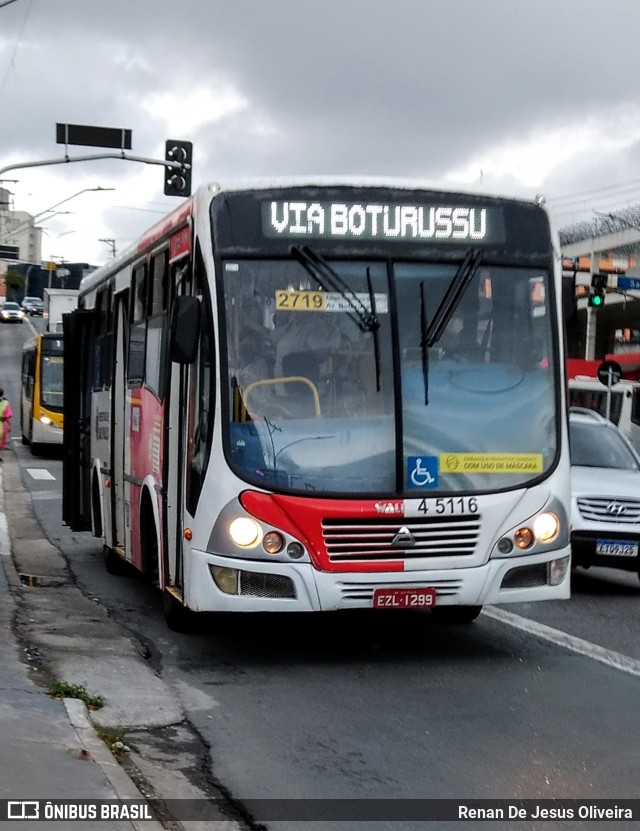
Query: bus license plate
{"points": [[404, 598], [611, 548]]}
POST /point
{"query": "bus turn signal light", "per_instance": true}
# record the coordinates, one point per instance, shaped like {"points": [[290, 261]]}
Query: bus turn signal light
{"points": [[273, 542], [523, 537]]}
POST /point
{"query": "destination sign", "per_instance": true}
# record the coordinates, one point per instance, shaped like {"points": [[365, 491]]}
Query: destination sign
{"points": [[432, 223]]}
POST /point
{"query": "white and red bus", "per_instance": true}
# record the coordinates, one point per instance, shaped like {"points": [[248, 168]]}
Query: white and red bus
{"points": [[306, 396]]}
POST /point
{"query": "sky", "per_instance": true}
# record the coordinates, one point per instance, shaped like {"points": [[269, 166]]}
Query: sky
{"points": [[521, 97]]}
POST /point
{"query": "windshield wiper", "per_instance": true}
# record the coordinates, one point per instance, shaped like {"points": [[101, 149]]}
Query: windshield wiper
{"points": [[452, 297], [325, 276], [423, 344], [374, 331]]}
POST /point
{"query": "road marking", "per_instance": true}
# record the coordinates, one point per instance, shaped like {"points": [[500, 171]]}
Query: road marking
{"points": [[39, 473], [616, 660], [5, 541]]}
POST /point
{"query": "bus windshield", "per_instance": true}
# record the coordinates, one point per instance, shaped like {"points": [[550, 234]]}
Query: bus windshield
{"points": [[318, 401], [51, 370]]}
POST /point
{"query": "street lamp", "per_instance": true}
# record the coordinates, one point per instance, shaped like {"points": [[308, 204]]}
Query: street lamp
{"points": [[33, 219]]}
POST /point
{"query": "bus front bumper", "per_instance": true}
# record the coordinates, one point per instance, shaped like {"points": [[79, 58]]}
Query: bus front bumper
{"points": [[46, 433], [216, 583]]}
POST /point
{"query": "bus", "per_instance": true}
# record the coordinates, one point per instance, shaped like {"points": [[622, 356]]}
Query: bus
{"points": [[322, 395], [41, 392]]}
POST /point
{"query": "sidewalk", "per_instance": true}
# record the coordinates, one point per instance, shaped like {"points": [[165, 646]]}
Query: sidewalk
{"points": [[48, 748]]}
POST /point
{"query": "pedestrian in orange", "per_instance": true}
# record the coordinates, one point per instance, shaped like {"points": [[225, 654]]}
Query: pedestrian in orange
{"points": [[6, 415]]}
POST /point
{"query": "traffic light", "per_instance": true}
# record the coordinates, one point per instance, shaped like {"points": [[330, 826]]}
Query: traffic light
{"points": [[177, 181], [598, 290]]}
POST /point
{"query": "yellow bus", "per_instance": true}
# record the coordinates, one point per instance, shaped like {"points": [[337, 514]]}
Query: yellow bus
{"points": [[41, 397]]}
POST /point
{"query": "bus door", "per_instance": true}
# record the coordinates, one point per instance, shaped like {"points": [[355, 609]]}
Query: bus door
{"points": [[119, 428], [76, 466], [175, 447]]}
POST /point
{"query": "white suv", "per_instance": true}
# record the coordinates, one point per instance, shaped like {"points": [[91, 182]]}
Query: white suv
{"points": [[605, 494]]}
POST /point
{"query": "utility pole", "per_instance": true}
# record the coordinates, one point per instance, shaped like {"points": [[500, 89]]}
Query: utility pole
{"points": [[111, 243]]}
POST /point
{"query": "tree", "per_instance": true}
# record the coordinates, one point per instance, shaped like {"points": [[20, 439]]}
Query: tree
{"points": [[14, 281]]}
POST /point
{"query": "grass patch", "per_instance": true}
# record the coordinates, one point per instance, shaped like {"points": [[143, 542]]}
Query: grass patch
{"points": [[62, 689], [113, 737]]}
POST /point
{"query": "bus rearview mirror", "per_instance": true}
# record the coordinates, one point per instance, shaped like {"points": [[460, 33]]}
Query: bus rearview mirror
{"points": [[184, 330]]}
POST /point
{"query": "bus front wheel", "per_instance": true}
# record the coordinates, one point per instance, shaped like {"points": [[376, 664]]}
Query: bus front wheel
{"points": [[177, 617], [114, 563]]}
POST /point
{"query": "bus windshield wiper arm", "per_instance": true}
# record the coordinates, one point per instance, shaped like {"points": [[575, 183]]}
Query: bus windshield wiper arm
{"points": [[423, 344], [324, 275], [374, 331], [452, 297], [316, 274]]}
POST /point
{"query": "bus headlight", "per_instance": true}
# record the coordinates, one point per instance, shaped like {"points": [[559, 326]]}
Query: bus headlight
{"points": [[245, 532], [546, 527], [46, 421]]}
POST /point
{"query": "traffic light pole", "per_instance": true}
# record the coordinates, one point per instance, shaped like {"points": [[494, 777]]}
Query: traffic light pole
{"points": [[590, 337], [95, 157], [609, 385]]}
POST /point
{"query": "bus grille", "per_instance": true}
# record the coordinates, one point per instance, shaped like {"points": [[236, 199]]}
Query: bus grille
{"points": [[525, 577], [359, 592], [366, 540], [261, 584], [608, 509]]}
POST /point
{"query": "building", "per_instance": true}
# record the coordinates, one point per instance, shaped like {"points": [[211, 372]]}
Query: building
{"points": [[17, 230], [20, 239]]}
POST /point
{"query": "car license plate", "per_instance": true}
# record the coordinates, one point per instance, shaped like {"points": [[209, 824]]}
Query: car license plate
{"points": [[612, 548], [404, 598]]}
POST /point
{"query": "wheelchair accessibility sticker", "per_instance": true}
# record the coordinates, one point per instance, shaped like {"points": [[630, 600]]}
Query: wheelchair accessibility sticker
{"points": [[422, 471]]}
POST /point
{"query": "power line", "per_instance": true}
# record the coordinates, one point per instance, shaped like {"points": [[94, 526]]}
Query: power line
{"points": [[131, 208], [602, 204], [574, 197], [15, 49]]}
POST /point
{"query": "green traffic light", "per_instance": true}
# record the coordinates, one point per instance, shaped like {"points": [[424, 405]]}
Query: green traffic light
{"points": [[596, 298]]}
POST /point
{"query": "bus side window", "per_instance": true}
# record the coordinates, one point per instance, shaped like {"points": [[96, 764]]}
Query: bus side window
{"points": [[201, 398], [102, 367], [155, 357], [28, 373], [138, 327]]}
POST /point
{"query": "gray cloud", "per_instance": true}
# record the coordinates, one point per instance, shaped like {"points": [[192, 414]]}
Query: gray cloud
{"points": [[409, 87]]}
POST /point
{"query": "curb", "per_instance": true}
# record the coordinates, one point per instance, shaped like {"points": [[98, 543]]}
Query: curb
{"points": [[5, 544], [122, 785], [80, 724]]}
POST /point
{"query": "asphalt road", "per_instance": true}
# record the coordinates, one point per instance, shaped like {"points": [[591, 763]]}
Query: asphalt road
{"points": [[387, 706]]}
